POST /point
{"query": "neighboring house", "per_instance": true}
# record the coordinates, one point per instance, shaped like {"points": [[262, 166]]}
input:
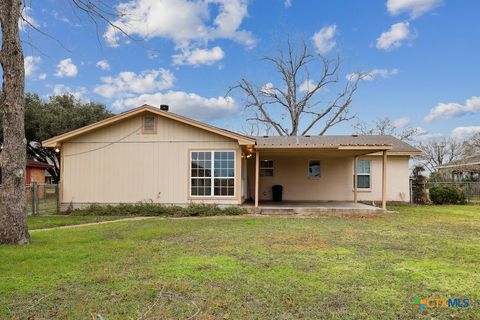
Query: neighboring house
{"points": [[36, 172], [147, 154], [467, 169]]}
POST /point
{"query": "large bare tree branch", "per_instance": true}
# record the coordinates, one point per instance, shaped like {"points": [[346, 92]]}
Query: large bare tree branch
{"points": [[298, 107], [385, 126]]}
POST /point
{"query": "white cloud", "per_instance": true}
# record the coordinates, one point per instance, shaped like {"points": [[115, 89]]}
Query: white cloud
{"points": [[188, 104], [42, 76], [26, 20], [78, 93], [31, 64], [104, 65], [306, 86], [198, 57], [394, 37], [152, 54], [267, 89], [401, 122], [287, 3], [424, 135], [373, 74], [414, 8], [452, 110], [126, 83], [324, 39], [185, 22], [465, 132], [59, 17], [66, 68]]}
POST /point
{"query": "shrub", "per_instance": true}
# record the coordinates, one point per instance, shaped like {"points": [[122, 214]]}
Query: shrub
{"points": [[447, 194], [155, 209]]}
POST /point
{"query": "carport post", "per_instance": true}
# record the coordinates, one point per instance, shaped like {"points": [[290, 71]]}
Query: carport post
{"points": [[355, 178], [384, 179], [257, 176]]}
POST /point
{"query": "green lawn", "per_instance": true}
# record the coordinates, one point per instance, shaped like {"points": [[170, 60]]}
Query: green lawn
{"points": [[249, 268], [40, 222]]}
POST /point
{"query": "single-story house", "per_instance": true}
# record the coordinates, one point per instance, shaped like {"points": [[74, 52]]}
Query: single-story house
{"points": [[466, 169], [149, 154]]}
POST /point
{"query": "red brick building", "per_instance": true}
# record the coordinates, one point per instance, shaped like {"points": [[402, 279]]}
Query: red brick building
{"points": [[36, 172]]}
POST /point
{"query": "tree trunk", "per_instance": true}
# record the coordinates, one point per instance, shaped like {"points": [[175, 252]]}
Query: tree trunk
{"points": [[13, 214]]}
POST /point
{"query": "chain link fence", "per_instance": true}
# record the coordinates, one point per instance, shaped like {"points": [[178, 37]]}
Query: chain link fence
{"points": [[42, 199]]}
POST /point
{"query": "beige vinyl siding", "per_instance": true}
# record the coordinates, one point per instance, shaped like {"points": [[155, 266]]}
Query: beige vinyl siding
{"points": [[336, 178], [118, 164]]}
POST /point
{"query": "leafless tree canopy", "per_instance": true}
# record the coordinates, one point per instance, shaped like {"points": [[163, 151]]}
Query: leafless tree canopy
{"points": [[287, 108], [472, 145], [385, 126], [440, 150]]}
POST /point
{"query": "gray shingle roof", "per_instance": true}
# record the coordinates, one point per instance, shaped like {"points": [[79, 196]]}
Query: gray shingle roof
{"points": [[334, 141]]}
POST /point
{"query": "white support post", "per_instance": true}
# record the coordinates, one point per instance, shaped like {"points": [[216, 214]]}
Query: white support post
{"points": [[257, 176], [355, 179], [384, 180]]}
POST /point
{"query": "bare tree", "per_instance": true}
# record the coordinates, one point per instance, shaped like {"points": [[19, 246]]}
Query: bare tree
{"points": [[385, 126], [440, 150], [256, 128], [295, 99], [472, 145], [13, 224]]}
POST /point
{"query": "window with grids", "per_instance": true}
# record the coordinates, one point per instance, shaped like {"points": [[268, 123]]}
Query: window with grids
{"points": [[364, 174], [149, 124], [266, 168], [212, 173]]}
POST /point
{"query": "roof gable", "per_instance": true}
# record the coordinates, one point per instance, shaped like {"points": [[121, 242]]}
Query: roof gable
{"points": [[52, 142]]}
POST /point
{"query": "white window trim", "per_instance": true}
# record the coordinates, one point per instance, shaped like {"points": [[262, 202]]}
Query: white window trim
{"points": [[363, 174], [308, 169], [212, 178]]}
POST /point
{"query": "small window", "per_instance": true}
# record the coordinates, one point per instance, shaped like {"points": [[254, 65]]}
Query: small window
{"points": [[266, 168], [364, 174], [149, 124], [314, 169]]}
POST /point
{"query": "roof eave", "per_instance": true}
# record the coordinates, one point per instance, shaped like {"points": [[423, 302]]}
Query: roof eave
{"points": [[322, 147], [446, 166]]}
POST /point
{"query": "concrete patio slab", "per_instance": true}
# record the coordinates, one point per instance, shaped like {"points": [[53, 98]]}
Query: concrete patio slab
{"points": [[311, 208]]}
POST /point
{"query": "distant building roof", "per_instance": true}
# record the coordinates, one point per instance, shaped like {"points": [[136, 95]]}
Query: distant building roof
{"points": [[466, 162], [335, 141], [36, 164]]}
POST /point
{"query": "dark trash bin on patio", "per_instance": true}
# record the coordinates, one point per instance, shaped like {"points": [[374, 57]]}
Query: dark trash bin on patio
{"points": [[277, 191]]}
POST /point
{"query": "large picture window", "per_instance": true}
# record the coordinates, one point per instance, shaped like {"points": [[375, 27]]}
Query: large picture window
{"points": [[212, 173], [364, 174]]}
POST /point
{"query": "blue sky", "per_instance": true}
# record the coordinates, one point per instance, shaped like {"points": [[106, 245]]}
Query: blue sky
{"points": [[422, 56]]}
